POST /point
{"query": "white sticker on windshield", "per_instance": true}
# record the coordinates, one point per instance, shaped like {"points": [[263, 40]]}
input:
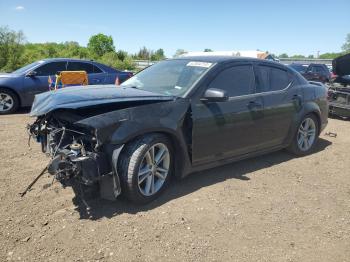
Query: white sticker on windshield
{"points": [[178, 87], [199, 64]]}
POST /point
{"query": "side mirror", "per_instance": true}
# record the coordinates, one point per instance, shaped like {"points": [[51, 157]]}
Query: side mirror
{"points": [[31, 74], [215, 95]]}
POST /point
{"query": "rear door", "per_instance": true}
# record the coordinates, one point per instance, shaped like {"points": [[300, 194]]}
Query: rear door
{"points": [[95, 74], [282, 99], [225, 129], [311, 73]]}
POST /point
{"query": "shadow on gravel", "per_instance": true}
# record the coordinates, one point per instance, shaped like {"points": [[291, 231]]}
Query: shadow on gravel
{"points": [[22, 111], [179, 188], [339, 117]]}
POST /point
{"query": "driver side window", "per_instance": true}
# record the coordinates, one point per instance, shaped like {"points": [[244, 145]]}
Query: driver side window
{"points": [[235, 80], [51, 68]]}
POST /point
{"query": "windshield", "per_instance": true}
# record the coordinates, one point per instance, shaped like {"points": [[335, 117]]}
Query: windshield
{"points": [[170, 77], [25, 68]]}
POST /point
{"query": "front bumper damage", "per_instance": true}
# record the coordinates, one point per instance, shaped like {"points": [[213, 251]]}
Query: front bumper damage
{"points": [[77, 161], [339, 101]]}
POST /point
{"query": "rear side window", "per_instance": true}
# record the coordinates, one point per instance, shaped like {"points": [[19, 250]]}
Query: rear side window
{"points": [[50, 68], [274, 79], [236, 80], [320, 69], [79, 66]]}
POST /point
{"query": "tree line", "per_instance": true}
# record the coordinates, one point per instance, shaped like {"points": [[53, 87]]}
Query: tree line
{"points": [[16, 52]]}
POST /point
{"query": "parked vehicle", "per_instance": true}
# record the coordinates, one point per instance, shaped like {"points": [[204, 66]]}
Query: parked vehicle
{"points": [[299, 67], [173, 118], [318, 73], [18, 88], [339, 92]]}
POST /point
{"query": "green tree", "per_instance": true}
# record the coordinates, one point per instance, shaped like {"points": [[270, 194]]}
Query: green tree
{"points": [[208, 50], [329, 55], [346, 46], [11, 48], [179, 52], [297, 56], [144, 54], [122, 55], [100, 44], [284, 55], [311, 56], [158, 55]]}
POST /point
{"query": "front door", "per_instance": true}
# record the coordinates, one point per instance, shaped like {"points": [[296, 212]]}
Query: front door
{"points": [[38, 83], [226, 129]]}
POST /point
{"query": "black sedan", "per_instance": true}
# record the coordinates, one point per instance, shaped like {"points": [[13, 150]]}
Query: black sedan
{"points": [[173, 118]]}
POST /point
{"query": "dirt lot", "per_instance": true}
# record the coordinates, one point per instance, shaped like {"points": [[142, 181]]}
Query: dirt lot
{"points": [[270, 208]]}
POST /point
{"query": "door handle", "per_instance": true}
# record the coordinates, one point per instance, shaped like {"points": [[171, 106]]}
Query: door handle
{"points": [[297, 100], [96, 80], [254, 104], [296, 97]]}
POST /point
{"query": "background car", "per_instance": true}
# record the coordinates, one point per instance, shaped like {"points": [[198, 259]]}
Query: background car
{"points": [[318, 73], [298, 67], [17, 89]]}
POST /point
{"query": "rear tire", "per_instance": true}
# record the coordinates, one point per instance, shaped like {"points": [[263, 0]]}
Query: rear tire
{"points": [[306, 136], [8, 101], [143, 176]]}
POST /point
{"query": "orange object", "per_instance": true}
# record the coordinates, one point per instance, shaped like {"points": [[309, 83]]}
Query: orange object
{"points": [[71, 78], [117, 82]]}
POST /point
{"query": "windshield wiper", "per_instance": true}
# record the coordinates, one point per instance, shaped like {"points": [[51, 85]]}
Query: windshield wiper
{"points": [[130, 86]]}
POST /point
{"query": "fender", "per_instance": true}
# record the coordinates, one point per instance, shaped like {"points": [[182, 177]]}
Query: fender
{"points": [[121, 126], [307, 108]]}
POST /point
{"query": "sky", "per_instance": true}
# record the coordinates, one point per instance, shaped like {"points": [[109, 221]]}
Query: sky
{"points": [[293, 27]]}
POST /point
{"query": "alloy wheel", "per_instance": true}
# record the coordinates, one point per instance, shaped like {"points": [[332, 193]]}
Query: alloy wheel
{"points": [[306, 134], [154, 169], [6, 102]]}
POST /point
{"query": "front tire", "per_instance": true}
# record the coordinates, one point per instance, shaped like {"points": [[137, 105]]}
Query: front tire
{"points": [[306, 136], [145, 167], [8, 102]]}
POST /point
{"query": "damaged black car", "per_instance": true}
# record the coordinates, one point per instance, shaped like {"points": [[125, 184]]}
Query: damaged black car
{"points": [[174, 118]]}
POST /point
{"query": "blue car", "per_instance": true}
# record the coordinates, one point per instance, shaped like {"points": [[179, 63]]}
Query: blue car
{"points": [[17, 89]]}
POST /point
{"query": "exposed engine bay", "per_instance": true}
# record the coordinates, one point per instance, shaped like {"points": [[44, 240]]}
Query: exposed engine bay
{"points": [[72, 152], [339, 94], [75, 159]]}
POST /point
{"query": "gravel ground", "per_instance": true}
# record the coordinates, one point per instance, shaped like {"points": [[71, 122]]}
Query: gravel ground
{"points": [[271, 208]]}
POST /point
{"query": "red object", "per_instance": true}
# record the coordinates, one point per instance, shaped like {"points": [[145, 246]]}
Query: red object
{"points": [[117, 83]]}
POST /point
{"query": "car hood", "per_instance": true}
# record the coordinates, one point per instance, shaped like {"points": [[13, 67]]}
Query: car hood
{"points": [[7, 75], [85, 96], [341, 65]]}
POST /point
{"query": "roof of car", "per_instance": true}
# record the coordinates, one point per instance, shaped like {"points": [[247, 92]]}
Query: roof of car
{"points": [[220, 59], [66, 59], [104, 67], [317, 64]]}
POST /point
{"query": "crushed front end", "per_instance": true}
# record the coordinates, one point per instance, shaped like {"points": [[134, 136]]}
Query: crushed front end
{"points": [[76, 159]]}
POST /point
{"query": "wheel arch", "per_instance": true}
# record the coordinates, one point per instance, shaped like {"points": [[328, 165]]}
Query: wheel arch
{"points": [[313, 109], [180, 152]]}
